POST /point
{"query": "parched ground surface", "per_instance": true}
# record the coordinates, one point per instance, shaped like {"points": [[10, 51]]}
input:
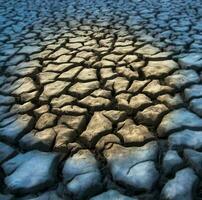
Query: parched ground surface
{"points": [[100, 100]]}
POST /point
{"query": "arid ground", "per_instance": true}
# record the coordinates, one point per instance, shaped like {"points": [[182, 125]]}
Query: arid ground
{"points": [[100, 99]]}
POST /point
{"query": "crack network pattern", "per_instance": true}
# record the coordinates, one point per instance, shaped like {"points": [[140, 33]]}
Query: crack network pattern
{"points": [[100, 100]]}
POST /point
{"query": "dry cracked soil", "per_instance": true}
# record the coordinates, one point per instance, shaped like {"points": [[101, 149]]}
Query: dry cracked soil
{"points": [[100, 100]]}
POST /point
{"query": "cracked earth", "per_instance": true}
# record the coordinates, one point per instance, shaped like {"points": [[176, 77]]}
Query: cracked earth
{"points": [[101, 100]]}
